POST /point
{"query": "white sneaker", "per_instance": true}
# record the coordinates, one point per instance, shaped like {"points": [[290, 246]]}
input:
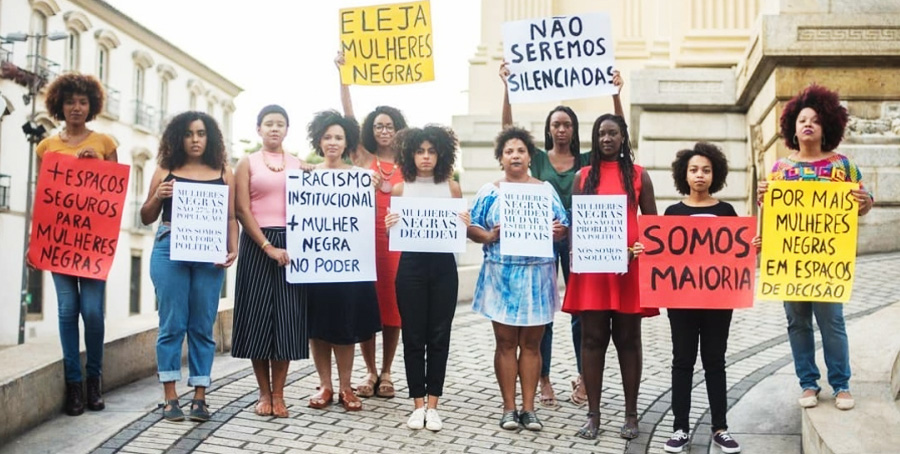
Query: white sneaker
{"points": [[433, 420], [416, 420]]}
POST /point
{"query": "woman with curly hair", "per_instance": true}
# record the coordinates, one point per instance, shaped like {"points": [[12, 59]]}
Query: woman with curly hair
{"points": [[812, 124], [77, 99], [269, 313], [518, 294], [608, 303], [427, 282], [698, 173], [191, 150], [557, 164], [341, 314], [375, 151]]}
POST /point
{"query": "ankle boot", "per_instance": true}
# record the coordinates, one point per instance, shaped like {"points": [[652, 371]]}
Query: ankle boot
{"points": [[74, 398], [94, 394]]}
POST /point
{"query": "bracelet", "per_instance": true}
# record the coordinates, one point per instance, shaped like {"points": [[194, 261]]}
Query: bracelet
{"points": [[265, 243]]}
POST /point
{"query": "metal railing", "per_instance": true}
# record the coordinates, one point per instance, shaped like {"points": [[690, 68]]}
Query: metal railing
{"points": [[144, 115], [46, 68], [113, 101]]}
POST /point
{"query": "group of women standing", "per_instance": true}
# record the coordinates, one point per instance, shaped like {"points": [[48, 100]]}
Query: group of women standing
{"points": [[276, 322]]}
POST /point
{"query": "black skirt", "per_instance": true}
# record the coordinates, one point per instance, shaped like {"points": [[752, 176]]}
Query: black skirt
{"points": [[343, 313], [269, 313]]}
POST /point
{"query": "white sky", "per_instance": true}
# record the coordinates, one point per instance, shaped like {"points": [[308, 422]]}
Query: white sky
{"points": [[281, 52]]}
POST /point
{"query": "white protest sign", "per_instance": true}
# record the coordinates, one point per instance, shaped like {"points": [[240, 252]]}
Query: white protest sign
{"points": [[526, 219], [199, 222], [330, 226], [599, 234], [560, 57], [428, 225]]}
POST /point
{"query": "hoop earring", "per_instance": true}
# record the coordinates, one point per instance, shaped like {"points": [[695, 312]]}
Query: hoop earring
{"points": [[795, 139]]}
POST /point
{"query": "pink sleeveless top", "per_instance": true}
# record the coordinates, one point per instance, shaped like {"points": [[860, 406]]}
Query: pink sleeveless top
{"points": [[267, 188]]}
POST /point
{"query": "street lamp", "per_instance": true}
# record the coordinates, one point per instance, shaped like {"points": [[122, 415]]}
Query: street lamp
{"points": [[34, 133]]}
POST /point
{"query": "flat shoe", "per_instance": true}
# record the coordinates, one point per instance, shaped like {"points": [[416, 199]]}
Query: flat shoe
{"points": [[174, 412], [321, 399], [199, 410], [628, 431], [589, 430], [578, 396], [366, 388], [809, 401], [844, 403], [385, 388], [509, 420], [349, 401], [530, 421]]}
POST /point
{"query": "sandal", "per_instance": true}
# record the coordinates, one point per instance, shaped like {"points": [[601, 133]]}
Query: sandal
{"points": [[349, 401], [629, 432], [589, 430], [548, 400], [199, 410], [279, 408], [385, 388], [366, 388], [174, 412], [264, 406], [321, 399], [578, 396]]}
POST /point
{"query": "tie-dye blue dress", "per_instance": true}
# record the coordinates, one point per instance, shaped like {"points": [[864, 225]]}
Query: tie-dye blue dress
{"points": [[513, 290]]}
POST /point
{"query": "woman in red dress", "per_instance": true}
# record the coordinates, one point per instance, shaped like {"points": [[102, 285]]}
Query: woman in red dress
{"points": [[609, 304]]}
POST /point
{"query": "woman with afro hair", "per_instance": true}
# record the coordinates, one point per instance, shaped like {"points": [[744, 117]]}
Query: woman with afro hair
{"points": [[76, 99], [812, 125]]}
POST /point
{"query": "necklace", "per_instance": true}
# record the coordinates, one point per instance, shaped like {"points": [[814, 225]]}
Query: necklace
{"points": [[278, 168], [386, 185]]}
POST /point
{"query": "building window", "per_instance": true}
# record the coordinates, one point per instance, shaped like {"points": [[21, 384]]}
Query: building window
{"points": [[73, 50], [193, 101], [103, 64], [38, 27], [139, 83], [36, 292], [134, 302], [163, 96]]}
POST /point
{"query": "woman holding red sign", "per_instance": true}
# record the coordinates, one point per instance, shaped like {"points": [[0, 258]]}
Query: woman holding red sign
{"points": [[375, 151], [77, 99], [699, 173], [609, 304], [192, 150], [812, 124]]}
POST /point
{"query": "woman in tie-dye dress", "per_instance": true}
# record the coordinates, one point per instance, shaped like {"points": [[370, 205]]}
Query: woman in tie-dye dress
{"points": [[518, 294]]}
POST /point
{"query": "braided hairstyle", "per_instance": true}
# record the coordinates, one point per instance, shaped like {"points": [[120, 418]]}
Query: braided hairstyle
{"points": [[625, 158]]}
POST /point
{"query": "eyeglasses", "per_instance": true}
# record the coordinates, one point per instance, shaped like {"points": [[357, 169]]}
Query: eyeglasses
{"points": [[380, 127]]}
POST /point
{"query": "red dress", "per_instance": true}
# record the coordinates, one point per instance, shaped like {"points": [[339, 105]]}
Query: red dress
{"points": [[386, 262], [610, 291]]}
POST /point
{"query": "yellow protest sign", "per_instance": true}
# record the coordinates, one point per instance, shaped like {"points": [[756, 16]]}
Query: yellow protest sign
{"points": [[808, 241], [387, 44]]}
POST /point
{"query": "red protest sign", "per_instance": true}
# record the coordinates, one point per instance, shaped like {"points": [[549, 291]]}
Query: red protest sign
{"points": [[697, 262], [77, 215]]}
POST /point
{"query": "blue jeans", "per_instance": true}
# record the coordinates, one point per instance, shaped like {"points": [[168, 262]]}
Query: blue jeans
{"points": [[830, 318], [188, 294], [74, 296]]}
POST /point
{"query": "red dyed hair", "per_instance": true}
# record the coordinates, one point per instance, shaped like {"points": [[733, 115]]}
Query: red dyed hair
{"points": [[832, 116]]}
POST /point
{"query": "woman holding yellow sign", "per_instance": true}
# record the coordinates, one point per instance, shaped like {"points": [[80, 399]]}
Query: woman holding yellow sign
{"points": [[812, 125]]}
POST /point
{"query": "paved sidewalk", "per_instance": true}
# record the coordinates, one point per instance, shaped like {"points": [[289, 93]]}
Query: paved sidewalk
{"points": [[758, 362]]}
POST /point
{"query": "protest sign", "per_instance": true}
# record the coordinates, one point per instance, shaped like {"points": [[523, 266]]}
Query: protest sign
{"points": [[330, 226], [526, 219], [697, 262], [809, 241], [77, 215], [387, 44], [428, 225], [560, 57], [199, 222], [599, 234]]}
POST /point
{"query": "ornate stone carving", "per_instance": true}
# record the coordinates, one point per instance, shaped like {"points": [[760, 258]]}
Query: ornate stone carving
{"points": [[848, 34], [885, 126], [690, 86]]}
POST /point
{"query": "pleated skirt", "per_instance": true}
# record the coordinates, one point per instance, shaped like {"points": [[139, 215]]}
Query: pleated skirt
{"points": [[270, 314]]}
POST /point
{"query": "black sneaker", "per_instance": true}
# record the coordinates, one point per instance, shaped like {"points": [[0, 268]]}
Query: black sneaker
{"points": [[677, 442], [510, 420], [727, 444], [530, 421]]}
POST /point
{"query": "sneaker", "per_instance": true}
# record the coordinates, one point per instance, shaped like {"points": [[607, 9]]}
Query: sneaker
{"points": [[677, 442], [416, 420], [530, 421], [723, 440], [510, 420], [433, 420]]}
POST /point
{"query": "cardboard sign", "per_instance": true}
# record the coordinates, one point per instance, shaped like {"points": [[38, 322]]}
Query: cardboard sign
{"points": [[330, 226], [560, 57], [199, 222], [428, 225], [697, 262], [599, 234], [77, 215], [526, 219], [809, 241], [387, 44]]}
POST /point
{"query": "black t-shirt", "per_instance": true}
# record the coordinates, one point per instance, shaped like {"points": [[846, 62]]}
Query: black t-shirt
{"points": [[719, 209]]}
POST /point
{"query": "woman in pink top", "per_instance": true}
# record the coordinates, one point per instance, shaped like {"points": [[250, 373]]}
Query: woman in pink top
{"points": [[269, 313]]}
